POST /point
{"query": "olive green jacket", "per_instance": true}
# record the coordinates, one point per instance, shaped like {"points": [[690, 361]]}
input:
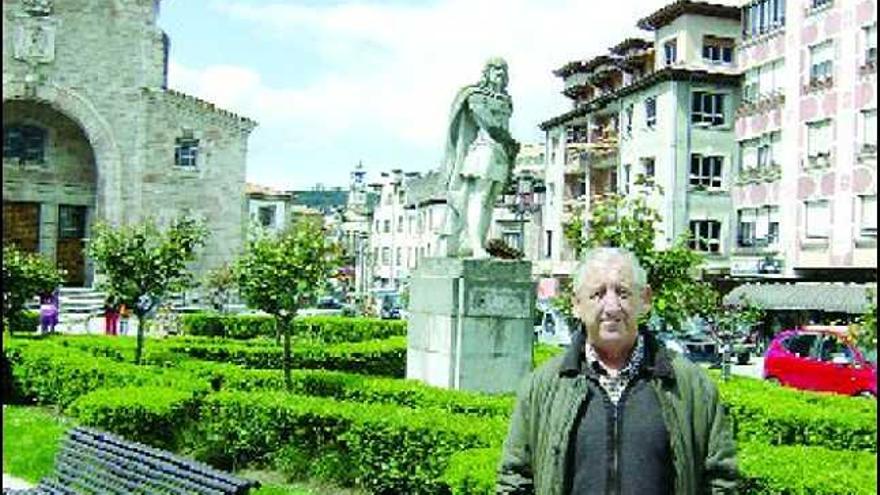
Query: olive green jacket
{"points": [[534, 460]]}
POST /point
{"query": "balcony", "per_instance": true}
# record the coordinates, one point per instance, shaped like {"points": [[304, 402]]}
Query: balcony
{"points": [[818, 84], [818, 161], [756, 175], [870, 65], [763, 103], [867, 152]]}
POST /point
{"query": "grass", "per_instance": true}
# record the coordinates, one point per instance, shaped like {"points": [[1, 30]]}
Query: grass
{"points": [[31, 436]]}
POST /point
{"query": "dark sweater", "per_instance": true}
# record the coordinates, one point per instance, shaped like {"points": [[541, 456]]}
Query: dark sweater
{"points": [[631, 457]]}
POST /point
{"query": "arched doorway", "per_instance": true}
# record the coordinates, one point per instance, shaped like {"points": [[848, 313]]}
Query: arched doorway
{"points": [[49, 184]]}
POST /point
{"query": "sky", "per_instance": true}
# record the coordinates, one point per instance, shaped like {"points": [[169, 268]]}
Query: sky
{"points": [[334, 83]]}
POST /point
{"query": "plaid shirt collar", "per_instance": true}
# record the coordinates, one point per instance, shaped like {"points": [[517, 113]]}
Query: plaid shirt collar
{"points": [[613, 382]]}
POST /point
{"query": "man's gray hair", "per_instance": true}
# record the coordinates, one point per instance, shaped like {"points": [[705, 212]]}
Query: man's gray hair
{"points": [[604, 256]]}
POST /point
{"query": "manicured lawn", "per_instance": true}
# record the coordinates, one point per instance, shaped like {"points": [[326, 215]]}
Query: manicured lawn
{"points": [[30, 439]]}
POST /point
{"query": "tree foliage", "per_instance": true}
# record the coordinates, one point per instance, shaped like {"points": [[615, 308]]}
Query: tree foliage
{"points": [[142, 264], [631, 223], [219, 284], [864, 333], [282, 273], [26, 275]]}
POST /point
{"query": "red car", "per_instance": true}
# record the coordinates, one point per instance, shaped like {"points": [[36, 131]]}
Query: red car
{"points": [[820, 358]]}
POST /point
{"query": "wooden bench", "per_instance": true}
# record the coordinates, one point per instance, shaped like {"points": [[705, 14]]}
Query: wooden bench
{"points": [[92, 461]]}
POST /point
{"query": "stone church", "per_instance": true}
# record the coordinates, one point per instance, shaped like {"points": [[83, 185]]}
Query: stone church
{"points": [[92, 132]]}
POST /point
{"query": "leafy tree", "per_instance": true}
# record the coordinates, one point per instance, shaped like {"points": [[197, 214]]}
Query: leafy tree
{"points": [[864, 332], [25, 275], [730, 324], [219, 284], [630, 222], [282, 273], [143, 264]]}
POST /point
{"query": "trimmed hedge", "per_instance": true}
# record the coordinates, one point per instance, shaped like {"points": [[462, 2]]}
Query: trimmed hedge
{"points": [[352, 387], [156, 416], [765, 413], [25, 321], [377, 357], [385, 449], [764, 470], [328, 329], [49, 374]]}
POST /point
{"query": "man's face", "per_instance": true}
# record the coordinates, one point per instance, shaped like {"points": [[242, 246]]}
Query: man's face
{"points": [[608, 304], [497, 76]]}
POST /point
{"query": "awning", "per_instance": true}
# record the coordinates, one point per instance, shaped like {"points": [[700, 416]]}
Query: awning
{"points": [[815, 296]]}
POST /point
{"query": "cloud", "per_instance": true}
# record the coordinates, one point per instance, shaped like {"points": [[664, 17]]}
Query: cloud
{"points": [[391, 70]]}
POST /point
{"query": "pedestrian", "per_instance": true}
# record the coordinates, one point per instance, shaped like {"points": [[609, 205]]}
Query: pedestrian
{"points": [[123, 319], [617, 412], [111, 316], [48, 312]]}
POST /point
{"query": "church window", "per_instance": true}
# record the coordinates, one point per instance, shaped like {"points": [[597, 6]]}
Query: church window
{"points": [[186, 151], [25, 143]]}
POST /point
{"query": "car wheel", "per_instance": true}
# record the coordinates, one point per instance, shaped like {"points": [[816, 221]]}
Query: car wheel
{"points": [[866, 394], [774, 380]]}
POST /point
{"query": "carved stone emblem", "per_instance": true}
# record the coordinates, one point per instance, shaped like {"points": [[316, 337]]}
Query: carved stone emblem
{"points": [[37, 7], [35, 41]]}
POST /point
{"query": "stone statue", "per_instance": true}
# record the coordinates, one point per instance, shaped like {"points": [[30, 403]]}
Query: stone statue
{"points": [[480, 153]]}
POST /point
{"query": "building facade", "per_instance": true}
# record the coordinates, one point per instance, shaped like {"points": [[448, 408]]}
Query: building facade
{"points": [[659, 111], [91, 132], [805, 195]]}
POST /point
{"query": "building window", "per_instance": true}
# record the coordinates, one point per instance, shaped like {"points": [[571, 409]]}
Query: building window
{"points": [[705, 236], [763, 16], [400, 224], [868, 129], [708, 108], [626, 178], [647, 166], [512, 239], [822, 62], [867, 215], [820, 3], [869, 41], [26, 143], [71, 222], [651, 112], [386, 256], [628, 120], [266, 215], [398, 257], [706, 171], [548, 245], [745, 232], [819, 139], [817, 219], [718, 50], [186, 151], [669, 52], [386, 226]]}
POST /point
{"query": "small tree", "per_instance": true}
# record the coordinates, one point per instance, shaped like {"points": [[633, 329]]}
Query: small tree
{"points": [[630, 222], [281, 273], [864, 332], [25, 275], [219, 284], [731, 324], [142, 264]]}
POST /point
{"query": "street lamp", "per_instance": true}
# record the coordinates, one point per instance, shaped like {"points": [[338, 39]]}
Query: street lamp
{"points": [[525, 197]]}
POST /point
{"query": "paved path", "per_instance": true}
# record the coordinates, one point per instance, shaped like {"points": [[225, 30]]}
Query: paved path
{"points": [[15, 483]]}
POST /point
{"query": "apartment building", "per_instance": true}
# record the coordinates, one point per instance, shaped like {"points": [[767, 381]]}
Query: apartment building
{"points": [[805, 192], [660, 109]]}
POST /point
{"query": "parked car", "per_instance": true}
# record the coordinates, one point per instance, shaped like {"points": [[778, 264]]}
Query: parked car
{"points": [[820, 358]]}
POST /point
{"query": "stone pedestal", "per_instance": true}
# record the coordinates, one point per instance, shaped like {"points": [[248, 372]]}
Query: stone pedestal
{"points": [[470, 325]]}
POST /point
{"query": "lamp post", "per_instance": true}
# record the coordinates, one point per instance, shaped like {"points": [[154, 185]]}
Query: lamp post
{"points": [[526, 197]]}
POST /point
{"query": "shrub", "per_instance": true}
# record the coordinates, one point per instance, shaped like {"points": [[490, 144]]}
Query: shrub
{"points": [[763, 470], [328, 329], [155, 416], [23, 321], [50, 374], [387, 449], [766, 413]]}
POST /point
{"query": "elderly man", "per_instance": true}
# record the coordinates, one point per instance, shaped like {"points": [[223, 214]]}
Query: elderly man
{"points": [[617, 413]]}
